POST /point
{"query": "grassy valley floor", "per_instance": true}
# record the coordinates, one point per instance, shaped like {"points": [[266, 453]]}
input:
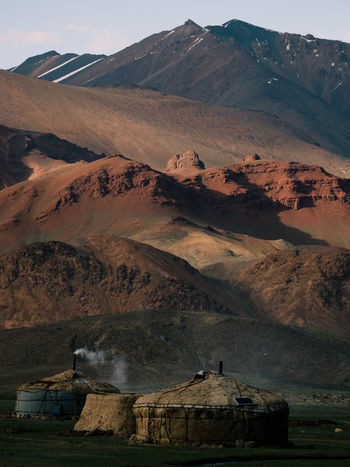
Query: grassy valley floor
{"points": [[45, 443]]}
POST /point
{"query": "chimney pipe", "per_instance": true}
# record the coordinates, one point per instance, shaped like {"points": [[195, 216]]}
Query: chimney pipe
{"points": [[75, 362], [220, 367]]}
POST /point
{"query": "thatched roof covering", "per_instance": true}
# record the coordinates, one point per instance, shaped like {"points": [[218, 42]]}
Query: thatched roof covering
{"points": [[215, 392], [70, 381], [108, 412]]}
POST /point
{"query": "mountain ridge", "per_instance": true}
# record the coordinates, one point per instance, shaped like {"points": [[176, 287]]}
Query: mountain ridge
{"points": [[137, 122], [304, 81]]}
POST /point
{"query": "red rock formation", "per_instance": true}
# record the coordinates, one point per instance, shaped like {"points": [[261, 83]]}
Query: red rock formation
{"points": [[183, 164], [288, 184], [251, 158]]}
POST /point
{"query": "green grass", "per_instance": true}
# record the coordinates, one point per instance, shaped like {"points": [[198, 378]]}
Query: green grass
{"points": [[44, 443]]}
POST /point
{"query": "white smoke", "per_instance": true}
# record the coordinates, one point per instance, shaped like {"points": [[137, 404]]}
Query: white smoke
{"points": [[93, 358], [113, 369]]}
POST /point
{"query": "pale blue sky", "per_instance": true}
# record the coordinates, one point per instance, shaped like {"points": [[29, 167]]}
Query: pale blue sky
{"points": [[31, 27]]}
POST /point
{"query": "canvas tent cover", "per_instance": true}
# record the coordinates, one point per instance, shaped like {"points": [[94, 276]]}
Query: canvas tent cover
{"points": [[213, 410], [63, 394]]}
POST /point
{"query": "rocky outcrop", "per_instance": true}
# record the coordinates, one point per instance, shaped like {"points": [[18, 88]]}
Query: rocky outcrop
{"points": [[185, 163], [273, 184], [251, 158]]}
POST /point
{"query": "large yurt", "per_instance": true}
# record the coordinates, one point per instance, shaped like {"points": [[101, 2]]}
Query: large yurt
{"points": [[214, 410], [63, 394]]}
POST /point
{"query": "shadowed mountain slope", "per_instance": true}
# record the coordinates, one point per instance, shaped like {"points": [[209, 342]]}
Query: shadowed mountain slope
{"points": [[303, 80], [165, 347], [26, 155], [302, 288], [49, 282], [52, 66]]}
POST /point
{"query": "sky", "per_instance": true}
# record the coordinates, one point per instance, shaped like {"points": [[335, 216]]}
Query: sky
{"points": [[31, 27]]}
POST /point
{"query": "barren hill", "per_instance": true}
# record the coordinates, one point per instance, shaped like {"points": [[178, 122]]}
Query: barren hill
{"points": [[50, 282], [303, 80], [217, 219], [113, 195], [152, 127], [302, 288], [165, 347], [260, 200]]}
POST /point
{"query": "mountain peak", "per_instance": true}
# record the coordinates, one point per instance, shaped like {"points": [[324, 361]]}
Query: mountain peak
{"points": [[189, 22]]}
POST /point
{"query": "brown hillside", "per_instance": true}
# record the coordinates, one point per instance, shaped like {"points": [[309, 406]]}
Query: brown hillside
{"points": [[302, 288], [270, 201], [50, 282], [287, 194], [166, 347], [151, 127], [302, 80]]}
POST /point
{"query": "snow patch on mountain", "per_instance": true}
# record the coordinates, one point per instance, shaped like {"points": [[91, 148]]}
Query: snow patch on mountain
{"points": [[58, 66], [76, 71]]}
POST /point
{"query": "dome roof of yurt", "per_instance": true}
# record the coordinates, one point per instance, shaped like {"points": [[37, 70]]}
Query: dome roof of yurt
{"points": [[214, 391], [70, 381]]}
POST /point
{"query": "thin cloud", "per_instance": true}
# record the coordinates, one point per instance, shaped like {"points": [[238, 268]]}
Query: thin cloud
{"points": [[79, 28], [100, 40], [18, 38]]}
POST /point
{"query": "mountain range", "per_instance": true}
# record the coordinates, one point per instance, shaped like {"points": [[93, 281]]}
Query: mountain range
{"points": [[302, 80], [203, 174]]}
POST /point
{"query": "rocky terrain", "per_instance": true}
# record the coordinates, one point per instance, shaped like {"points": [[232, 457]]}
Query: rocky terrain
{"points": [[223, 231], [52, 281], [221, 220], [287, 184], [184, 164], [301, 288], [266, 199]]}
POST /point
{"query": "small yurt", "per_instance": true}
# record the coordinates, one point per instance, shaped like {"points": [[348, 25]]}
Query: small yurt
{"points": [[63, 394], [108, 413], [214, 410]]}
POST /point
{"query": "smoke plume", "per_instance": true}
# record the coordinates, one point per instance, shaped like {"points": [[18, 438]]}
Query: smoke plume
{"points": [[112, 369]]}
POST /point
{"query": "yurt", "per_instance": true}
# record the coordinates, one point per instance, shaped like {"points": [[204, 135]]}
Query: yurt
{"points": [[108, 413], [63, 394], [212, 409]]}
